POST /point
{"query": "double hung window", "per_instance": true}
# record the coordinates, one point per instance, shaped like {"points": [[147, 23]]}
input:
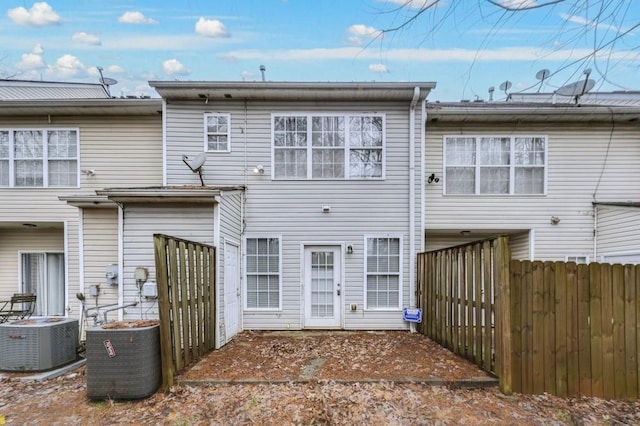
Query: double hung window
{"points": [[495, 164], [263, 284], [39, 158], [217, 132], [328, 146], [383, 284]]}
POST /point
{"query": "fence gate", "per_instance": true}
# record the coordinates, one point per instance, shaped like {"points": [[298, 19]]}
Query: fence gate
{"points": [[185, 274]]}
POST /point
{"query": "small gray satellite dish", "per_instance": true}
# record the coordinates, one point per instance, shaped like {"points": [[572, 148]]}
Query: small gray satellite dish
{"points": [[543, 74], [196, 164], [577, 88], [505, 86], [108, 81]]}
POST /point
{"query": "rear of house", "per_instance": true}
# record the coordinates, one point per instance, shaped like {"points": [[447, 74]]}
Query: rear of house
{"points": [[326, 228], [562, 180]]}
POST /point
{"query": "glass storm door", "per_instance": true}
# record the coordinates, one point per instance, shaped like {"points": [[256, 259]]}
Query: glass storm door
{"points": [[323, 272]]}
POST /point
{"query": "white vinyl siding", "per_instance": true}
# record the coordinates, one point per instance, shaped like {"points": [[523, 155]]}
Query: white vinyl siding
{"points": [[292, 209], [495, 165], [383, 276], [217, 130], [618, 233], [39, 158], [582, 161], [262, 266], [338, 146]]}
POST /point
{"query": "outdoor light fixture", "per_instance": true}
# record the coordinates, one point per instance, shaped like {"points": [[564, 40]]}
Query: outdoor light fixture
{"points": [[259, 169], [432, 178], [349, 249]]}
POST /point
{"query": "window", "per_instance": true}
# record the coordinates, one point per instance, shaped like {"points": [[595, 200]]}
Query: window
{"points": [[39, 158], [263, 273], [495, 164], [383, 273], [217, 132], [43, 275], [577, 259], [328, 146]]}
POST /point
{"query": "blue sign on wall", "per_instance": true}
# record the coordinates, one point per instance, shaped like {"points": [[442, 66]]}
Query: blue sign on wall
{"points": [[412, 314]]}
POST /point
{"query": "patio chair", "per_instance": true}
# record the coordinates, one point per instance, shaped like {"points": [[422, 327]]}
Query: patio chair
{"points": [[20, 306]]}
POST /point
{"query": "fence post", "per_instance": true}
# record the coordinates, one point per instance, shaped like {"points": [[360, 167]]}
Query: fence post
{"points": [[503, 314]]}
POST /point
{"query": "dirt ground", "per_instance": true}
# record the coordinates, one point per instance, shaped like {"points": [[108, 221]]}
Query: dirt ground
{"points": [[380, 378]]}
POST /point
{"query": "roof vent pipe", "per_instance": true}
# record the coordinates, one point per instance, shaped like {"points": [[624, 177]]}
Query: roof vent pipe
{"points": [[262, 70]]}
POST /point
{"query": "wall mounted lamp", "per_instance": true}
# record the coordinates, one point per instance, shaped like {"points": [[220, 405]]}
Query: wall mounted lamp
{"points": [[88, 172], [259, 169], [349, 249], [432, 178]]}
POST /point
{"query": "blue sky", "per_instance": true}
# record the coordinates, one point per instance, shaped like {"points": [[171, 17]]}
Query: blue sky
{"points": [[464, 46]]}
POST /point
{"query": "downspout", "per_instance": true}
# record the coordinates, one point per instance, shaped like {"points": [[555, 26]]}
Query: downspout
{"points": [[412, 201], [120, 259], [164, 142]]}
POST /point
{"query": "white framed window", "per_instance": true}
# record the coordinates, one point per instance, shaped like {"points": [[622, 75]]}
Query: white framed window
{"points": [[263, 284], [42, 273], [217, 130], [39, 158], [577, 259], [328, 146], [383, 278], [495, 165]]}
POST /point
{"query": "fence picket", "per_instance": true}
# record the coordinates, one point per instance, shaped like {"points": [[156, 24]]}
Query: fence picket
{"points": [[595, 314], [549, 332], [561, 328], [630, 331], [619, 362]]}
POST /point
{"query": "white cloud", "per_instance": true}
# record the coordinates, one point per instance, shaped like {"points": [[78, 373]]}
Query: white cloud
{"points": [[67, 66], [378, 68], [585, 22], [211, 28], [135, 17], [414, 4], [115, 69], [516, 53], [40, 15], [30, 61], [174, 67], [86, 38], [37, 49], [360, 31], [518, 4]]}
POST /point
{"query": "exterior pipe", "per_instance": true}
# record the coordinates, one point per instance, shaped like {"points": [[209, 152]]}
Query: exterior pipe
{"points": [[412, 200]]}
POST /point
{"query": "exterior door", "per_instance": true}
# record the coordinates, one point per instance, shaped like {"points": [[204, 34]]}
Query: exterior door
{"points": [[231, 290], [323, 291]]}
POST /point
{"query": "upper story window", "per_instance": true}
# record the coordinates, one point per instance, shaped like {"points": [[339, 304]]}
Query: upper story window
{"points": [[217, 132], [328, 146], [514, 165], [39, 158]]}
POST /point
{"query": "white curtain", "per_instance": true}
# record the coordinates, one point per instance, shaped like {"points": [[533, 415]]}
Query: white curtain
{"points": [[43, 275]]}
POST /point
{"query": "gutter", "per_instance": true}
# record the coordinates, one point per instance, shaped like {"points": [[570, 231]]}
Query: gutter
{"points": [[412, 200]]}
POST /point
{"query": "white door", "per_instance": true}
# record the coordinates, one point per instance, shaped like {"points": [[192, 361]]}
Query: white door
{"points": [[322, 285], [231, 290]]}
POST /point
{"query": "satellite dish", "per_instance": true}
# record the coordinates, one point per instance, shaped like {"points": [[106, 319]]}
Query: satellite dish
{"points": [[505, 86], [577, 88], [542, 75], [195, 164], [108, 81]]}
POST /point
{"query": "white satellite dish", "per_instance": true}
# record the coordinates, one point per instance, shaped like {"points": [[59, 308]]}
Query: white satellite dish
{"points": [[505, 86], [542, 75], [195, 164], [108, 81], [577, 88]]}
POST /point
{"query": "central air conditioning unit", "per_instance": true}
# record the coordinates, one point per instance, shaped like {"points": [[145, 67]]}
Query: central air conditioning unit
{"points": [[37, 344], [123, 360]]}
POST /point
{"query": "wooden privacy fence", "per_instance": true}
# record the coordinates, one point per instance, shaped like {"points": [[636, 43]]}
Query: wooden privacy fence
{"points": [[574, 329], [185, 274], [457, 291], [552, 327]]}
